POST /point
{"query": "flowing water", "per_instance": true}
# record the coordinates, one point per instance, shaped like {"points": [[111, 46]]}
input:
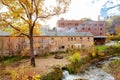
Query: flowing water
{"points": [[92, 73]]}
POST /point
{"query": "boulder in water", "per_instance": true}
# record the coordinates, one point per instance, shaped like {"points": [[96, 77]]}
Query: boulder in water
{"points": [[99, 65]]}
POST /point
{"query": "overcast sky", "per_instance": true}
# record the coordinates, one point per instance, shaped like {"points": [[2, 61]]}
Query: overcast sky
{"points": [[82, 9], [79, 9]]}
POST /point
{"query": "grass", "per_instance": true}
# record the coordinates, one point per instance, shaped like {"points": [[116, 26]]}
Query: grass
{"points": [[9, 60], [101, 48]]}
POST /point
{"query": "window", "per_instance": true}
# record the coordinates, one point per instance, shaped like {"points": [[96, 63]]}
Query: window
{"points": [[69, 28], [101, 33], [83, 24], [82, 45], [62, 47], [75, 38], [95, 24], [76, 24], [69, 24], [88, 38], [72, 46], [88, 28], [41, 46], [82, 28], [52, 38], [68, 39], [101, 24], [80, 38], [71, 38], [68, 46], [89, 24], [62, 23], [100, 28], [76, 28]]}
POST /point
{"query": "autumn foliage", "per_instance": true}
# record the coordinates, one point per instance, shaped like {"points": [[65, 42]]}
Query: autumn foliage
{"points": [[23, 17]]}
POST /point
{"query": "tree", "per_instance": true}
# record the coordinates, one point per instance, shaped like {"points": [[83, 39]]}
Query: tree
{"points": [[1, 47], [117, 31], [23, 17], [112, 23]]}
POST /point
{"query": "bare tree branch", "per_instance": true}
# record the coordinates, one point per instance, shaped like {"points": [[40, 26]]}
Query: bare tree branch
{"points": [[15, 28], [25, 9]]}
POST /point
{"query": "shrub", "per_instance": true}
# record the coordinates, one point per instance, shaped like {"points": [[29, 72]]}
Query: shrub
{"points": [[1, 58], [93, 52], [116, 63], [55, 74], [46, 54], [22, 73], [36, 77], [101, 54], [75, 58], [85, 59], [112, 50]]}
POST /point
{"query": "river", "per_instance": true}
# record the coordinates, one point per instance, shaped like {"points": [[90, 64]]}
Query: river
{"points": [[93, 72]]}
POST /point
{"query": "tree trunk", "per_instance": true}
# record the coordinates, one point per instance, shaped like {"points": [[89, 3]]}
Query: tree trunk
{"points": [[32, 52]]}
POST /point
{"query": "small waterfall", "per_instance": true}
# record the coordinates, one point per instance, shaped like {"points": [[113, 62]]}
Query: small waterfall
{"points": [[65, 73], [67, 76], [92, 73]]}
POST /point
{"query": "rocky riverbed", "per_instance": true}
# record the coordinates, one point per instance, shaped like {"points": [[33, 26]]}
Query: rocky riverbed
{"points": [[94, 72]]}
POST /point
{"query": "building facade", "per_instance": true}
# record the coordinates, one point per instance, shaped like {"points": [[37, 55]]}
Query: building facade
{"points": [[48, 42], [97, 28]]}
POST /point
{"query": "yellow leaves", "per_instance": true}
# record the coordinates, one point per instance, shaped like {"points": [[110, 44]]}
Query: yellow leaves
{"points": [[28, 4], [21, 73], [36, 29], [23, 29], [117, 29], [37, 77], [93, 54], [22, 14], [75, 58], [109, 37], [6, 29], [6, 1], [14, 33]]}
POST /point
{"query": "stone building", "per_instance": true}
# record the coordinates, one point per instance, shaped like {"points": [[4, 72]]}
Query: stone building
{"points": [[61, 41], [50, 41], [97, 28]]}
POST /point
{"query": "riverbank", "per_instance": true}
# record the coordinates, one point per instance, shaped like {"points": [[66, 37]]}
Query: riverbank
{"points": [[48, 67], [113, 68], [95, 70], [22, 68]]}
